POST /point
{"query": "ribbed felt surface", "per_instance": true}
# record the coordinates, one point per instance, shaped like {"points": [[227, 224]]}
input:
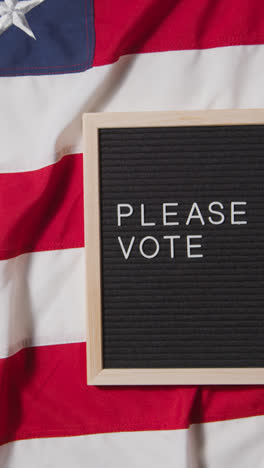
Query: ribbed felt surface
{"points": [[183, 312]]}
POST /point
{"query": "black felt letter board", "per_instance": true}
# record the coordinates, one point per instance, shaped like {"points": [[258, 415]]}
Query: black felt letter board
{"points": [[194, 300]]}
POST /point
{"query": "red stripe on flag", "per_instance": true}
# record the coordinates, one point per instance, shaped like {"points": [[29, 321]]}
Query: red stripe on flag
{"points": [[124, 27], [43, 393], [42, 209]]}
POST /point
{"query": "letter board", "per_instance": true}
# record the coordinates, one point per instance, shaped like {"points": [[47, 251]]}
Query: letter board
{"points": [[174, 222]]}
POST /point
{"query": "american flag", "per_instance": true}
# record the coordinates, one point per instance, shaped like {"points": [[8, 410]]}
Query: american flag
{"points": [[59, 59]]}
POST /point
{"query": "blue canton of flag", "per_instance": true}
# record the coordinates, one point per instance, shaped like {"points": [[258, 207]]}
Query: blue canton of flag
{"points": [[63, 30]]}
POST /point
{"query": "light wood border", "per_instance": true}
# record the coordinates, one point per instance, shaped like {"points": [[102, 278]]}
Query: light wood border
{"points": [[96, 374]]}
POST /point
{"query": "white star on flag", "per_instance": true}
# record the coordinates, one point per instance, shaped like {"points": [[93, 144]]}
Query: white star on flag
{"points": [[13, 12]]}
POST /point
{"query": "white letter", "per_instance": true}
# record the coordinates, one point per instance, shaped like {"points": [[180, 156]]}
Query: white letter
{"points": [[197, 216], [165, 214], [142, 243], [233, 212], [171, 243], [193, 246], [126, 253], [123, 215], [222, 217], [143, 217]]}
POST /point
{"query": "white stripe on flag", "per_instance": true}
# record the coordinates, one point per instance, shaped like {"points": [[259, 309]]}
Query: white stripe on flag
{"points": [[227, 77], [42, 300], [228, 444]]}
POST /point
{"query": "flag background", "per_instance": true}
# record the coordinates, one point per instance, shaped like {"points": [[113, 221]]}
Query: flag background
{"points": [[143, 55]]}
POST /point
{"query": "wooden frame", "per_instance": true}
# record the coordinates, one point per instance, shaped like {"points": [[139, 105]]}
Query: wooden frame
{"points": [[96, 374]]}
